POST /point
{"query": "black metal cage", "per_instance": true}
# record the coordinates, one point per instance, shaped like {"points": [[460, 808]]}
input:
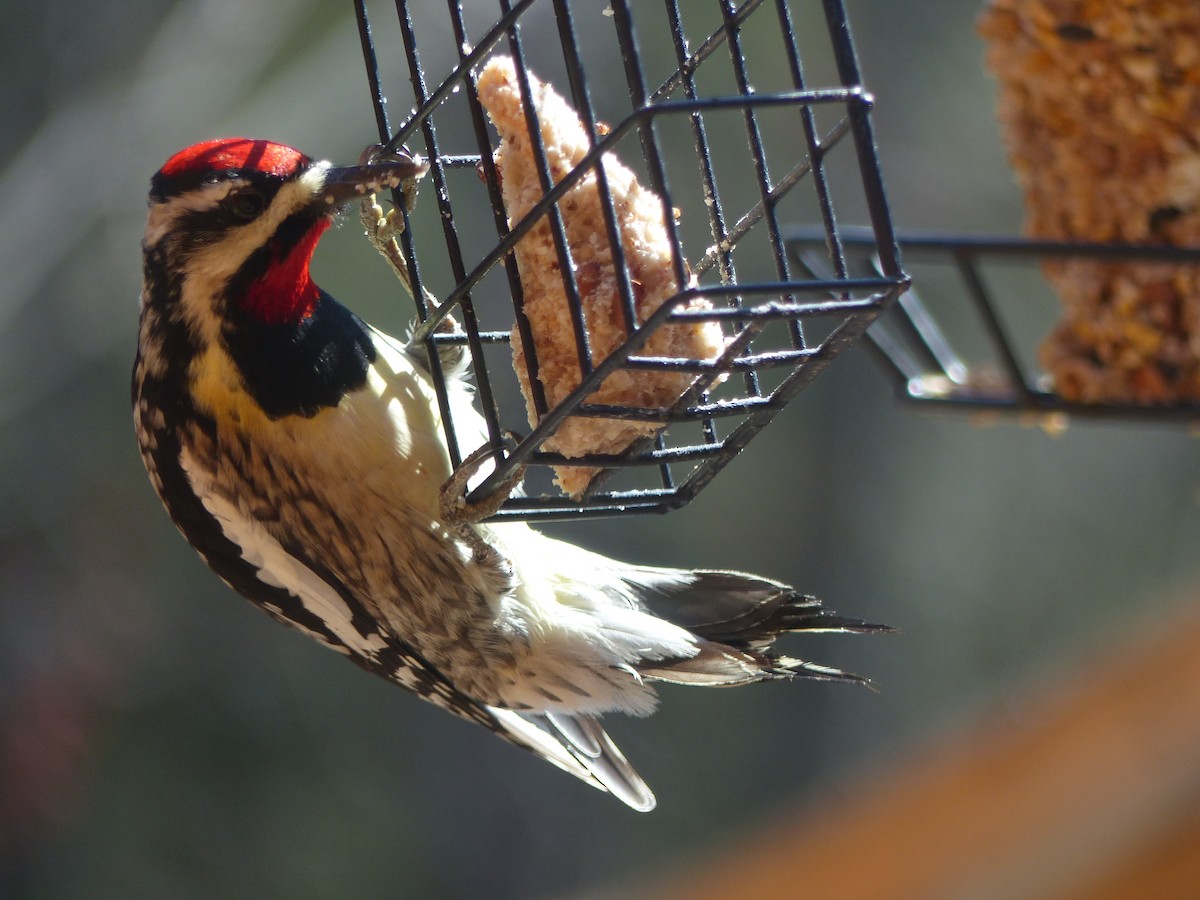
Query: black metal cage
{"points": [[746, 119], [966, 338]]}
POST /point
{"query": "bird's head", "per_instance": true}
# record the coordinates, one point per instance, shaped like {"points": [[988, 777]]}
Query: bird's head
{"points": [[234, 222]]}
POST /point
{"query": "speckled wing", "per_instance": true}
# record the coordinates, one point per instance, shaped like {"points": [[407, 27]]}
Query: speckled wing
{"points": [[297, 589]]}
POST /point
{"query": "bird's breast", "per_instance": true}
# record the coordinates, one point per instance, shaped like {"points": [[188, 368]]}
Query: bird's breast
{"points": [[380, 444]]}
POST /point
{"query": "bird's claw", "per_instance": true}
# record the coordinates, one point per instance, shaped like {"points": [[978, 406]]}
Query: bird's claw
{"points": [[388, 226], [385, 228], [456, 509]]}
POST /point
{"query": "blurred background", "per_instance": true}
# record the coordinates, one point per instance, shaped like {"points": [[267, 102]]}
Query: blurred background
{"points": [[160, 737]]}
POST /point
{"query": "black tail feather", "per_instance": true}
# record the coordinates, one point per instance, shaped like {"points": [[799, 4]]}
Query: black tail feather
{"points": [[738, 617], [742, 611]]}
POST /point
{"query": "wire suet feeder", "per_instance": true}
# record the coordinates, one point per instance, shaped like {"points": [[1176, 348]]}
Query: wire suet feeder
{"points": [[803, 150], [965, 352]]}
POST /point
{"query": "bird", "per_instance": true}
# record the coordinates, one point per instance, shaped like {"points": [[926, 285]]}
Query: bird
{"points": [[301, 452]]}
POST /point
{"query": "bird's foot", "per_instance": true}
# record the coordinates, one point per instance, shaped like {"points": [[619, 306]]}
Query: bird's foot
{"points": [[384, 228], [456, 509]]}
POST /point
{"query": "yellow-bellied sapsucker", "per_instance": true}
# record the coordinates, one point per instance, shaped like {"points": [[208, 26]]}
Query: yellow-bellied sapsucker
{"points": [[301, 453]]}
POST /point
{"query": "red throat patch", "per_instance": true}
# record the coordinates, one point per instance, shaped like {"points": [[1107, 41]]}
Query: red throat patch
{"points": [[286, 293], [222, 154]]}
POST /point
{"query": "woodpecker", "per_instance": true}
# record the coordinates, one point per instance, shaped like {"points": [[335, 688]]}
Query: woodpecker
{"points": [[301, 453]]}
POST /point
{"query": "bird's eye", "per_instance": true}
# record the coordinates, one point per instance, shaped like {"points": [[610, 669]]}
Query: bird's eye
{"points": [[245, 205]]}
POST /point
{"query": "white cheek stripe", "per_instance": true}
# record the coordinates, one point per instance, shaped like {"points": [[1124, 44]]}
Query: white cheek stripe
{"points": [[277, 568], [164, 214]]}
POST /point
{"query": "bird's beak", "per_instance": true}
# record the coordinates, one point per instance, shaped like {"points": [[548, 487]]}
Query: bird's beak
{"points": [[346, 183]]}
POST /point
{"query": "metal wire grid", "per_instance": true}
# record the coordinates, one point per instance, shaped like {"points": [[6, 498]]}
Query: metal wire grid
{"points": [[923, 355], [781, 331]]}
